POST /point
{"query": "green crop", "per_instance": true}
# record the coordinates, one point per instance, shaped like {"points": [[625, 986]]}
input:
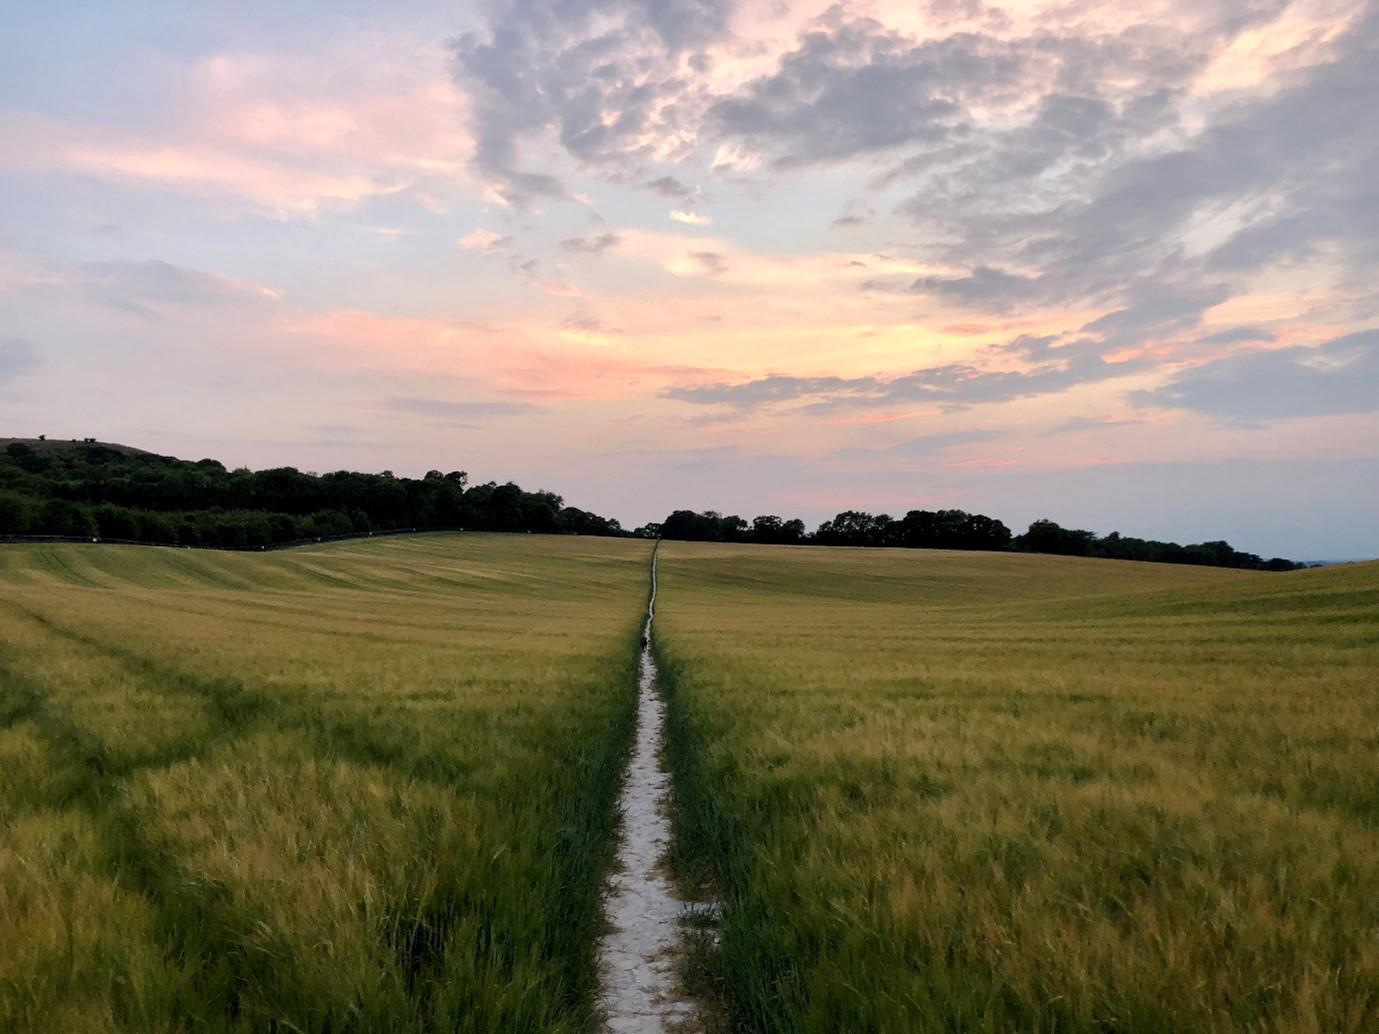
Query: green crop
{"points": [[982, 792], [367, 786]]}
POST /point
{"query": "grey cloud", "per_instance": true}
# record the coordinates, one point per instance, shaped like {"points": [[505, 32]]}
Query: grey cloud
{"points": [[142, 288], [595, 245], [1235, 335], [953, 386], [527, 268], [855, 213], [993, 289], [1156, 309], [1100, 184], [1341, 376], [670, 187], [1089, 173], [854, 87], [1310, 147], [766, 390], [603, 74], [713, 263], [929, 444], [1090, 423], [584, 321], [17, 358], [684, 23], [1273, 240], [448, 410]]}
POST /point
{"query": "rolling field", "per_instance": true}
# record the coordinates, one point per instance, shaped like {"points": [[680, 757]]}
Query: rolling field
{"points": [[366, 786], [982, 792]]}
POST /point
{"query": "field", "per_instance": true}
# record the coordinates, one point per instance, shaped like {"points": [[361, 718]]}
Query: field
{"points": [[372, 786], [367, 786], [981, 792]]}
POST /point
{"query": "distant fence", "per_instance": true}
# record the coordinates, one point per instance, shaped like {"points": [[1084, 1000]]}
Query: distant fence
{"points": [[294, 544]]}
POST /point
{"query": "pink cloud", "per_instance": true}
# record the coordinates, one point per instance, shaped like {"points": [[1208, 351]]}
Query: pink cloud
{"points": [[289, 132]]}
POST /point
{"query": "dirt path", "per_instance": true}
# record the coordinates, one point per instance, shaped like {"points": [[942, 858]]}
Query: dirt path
{"points": [[637, 958]]}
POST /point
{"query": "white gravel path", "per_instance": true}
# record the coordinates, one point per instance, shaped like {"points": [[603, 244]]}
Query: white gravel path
{"points": [[641, 993]]}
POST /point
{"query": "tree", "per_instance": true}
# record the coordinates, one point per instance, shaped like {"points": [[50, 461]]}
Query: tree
{"points": [[17, 513], [691, 527], [952, 529], [855, 528], [1044, 536], [767, 528]]}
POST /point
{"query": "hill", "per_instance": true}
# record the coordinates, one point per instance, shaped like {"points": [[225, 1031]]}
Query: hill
{"points": [[58, 444], [91, 489]]}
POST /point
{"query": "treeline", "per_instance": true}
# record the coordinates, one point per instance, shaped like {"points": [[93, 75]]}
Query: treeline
{"points": [[90, 490], [951, 529], [93, 490]]}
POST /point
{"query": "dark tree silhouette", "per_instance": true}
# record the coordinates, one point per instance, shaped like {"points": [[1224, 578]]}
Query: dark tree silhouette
{"points": [[92, 490]]}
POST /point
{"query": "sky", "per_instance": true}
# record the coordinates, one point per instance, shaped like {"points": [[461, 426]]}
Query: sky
{"points": [[1108, 264]]}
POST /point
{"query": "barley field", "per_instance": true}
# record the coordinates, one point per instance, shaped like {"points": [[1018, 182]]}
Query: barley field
{"points": [[368, 786], [985, 792]]}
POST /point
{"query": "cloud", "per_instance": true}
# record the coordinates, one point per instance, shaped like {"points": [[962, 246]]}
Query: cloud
{"points": [[151, 288], [854, 87], [17, 358], [1237, 335], [856, 213], [670, 187], [713, 263], [586, 323], [1049, 369], [527, 268], [592, 245], [483, 240], [991, 289], [1341, 376], [1112, 192], [1052, 161], [601, 79], [157, 282], [324, 127], [1156, 310], [1091, 423]]}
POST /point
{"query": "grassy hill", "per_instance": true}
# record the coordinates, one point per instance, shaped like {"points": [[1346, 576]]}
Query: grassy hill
{"points": [[90, 490], [60, 444]]}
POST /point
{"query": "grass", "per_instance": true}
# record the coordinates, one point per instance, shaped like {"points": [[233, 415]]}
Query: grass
{"points": [[981, 792], [360, 787], [371, 786]]}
